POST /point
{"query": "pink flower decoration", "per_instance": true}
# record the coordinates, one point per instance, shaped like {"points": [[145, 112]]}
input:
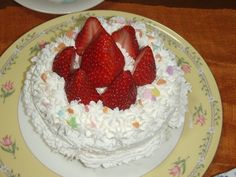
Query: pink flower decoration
{"points": [[147, 94], [170, 70], [8, 146], [186, 68], [175, 171], [201, 120], [6, 141], [8, 86]]}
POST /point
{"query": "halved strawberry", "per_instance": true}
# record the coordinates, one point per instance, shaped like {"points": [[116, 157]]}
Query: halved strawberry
{"points": [[78, 87], [91, 29], [127, 39], [62, 63], [121, 93], [144, 67], [102, 60]]}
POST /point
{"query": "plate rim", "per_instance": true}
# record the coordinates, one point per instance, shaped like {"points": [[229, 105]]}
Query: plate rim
{"points": [[66, 10]]}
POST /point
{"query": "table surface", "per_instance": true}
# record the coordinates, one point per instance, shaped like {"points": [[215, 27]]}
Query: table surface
{"points": [[210, 26]]}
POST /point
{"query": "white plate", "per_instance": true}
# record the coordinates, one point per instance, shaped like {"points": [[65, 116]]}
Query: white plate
{"points": [[76, 169], [58, 6], [231, 173]]}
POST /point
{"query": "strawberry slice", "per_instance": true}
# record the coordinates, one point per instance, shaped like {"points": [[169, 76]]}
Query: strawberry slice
{"points": [[102, 61], [79, 88], [127, 39], [62, 63], [91, 29], [144, 67], [121, 93]]}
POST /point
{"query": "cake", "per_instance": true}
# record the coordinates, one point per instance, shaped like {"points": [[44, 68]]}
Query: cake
{"points": [[106, 114]]}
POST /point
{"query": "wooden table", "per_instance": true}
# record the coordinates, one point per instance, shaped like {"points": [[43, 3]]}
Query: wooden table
{"points": [[210, 26]]}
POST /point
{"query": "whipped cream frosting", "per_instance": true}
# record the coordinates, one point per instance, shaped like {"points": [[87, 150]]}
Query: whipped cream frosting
{"points": [[97, 135]]}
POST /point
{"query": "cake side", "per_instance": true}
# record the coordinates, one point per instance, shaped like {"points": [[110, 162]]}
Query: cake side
{"points": [[93, 133]]}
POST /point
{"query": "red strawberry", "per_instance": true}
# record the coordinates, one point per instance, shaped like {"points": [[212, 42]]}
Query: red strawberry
{"points": [[145, 68], [62, 63], [127, 39], [121, 93], [102, 60], [78, 87], [91, 29]]}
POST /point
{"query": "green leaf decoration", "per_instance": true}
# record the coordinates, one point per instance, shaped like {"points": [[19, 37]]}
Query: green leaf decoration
{"points": [[183, 167], [3, 91], [6, 149], [72, 123], [9, 93], [14, 147], [155, 92]]}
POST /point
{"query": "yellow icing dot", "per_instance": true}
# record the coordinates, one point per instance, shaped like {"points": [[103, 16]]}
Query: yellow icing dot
{"points": [[136, 124], [69, 34], [44, 77], [60, 47], [161, 82], [105, 109], [70, 111], [155, 92]]}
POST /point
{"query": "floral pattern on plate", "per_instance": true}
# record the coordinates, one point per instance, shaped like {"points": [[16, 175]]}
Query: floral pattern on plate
{"points": [[8, 145], [7, 171], [7, 90]]}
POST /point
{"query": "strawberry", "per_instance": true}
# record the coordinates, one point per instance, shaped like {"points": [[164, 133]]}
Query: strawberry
{"points": [[102, 61], [78, 87], [144, 67], [127, 39], [121, 93], [62, 63], [91, 29]]}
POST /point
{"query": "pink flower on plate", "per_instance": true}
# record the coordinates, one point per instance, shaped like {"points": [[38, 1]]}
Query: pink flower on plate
{"points": [[175, 171], [201, 120], [7, 90], [8, 86], [178, 168], [6, 141], [200, 115], [7, 145], [186, 68]]}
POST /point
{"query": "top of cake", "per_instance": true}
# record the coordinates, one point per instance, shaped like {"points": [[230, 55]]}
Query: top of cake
{"points": [[101, 64], [111, 116]]}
